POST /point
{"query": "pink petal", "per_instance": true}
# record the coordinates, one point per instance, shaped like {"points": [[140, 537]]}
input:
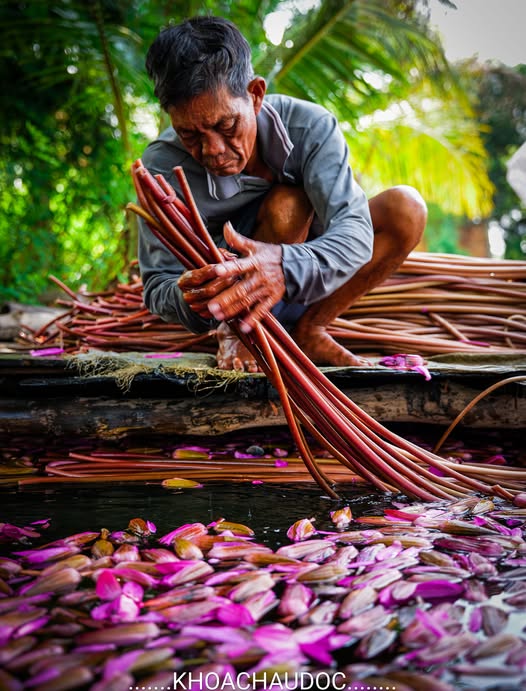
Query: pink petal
{"points": [[182, 531], [44, 522], [317, 652], [422, 369], [126, 609], [275, 638], [108, 587], [234, 614], [130, 574], [134, 591]]}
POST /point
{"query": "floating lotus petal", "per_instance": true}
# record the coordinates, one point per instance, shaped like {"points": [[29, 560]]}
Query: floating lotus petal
{"points": [[188, 531], [341, 517], [301, 530], [234, 528]]}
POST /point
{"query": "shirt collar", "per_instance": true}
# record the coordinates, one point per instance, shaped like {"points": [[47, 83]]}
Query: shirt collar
{"points": [[275, 145]]}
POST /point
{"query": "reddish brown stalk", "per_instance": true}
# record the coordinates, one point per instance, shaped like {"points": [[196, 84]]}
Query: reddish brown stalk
{"points": [[173, 198], [274, 374], [191, 256], [368, 446], [200, 228], [307, 396], [365, 421], [64, 287]]}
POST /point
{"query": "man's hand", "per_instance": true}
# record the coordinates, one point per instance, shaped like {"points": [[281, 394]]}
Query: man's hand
{"points": [[201, 285], [255, 281]]}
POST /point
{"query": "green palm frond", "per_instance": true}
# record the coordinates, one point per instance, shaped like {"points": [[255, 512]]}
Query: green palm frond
{"points": [[361, 57]]}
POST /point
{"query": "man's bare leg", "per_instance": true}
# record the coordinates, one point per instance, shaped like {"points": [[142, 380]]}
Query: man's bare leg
{"points": [[399, 216], [284, 216]]}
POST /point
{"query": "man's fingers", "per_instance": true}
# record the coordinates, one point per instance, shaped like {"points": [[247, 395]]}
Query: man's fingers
{"points": [[256, 314], [197, 277], [206, 291], [236, 299], [240, 243], [236, 267]]}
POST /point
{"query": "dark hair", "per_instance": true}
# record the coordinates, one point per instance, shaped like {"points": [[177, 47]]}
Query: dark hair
{"points": [[201, 54]]}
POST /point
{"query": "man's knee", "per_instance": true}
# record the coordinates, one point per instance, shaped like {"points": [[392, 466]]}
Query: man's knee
{"points": [[285, 215], [402, 211]]}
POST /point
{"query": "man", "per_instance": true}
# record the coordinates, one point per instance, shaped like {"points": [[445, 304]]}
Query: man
{"points": [[278, 169]]}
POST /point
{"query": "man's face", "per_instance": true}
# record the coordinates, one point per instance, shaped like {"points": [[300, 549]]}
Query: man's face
{"points": [[219, 130]]}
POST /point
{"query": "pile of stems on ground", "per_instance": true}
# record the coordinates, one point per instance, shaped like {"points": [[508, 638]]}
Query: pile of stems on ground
{"points": [[310, 401], [435, 304]]}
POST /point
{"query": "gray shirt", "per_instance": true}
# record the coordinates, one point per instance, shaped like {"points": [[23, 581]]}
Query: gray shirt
{"points": [[303, 145]]}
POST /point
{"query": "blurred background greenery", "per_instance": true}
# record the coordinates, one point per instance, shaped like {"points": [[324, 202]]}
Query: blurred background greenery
{"points": [[77, 109]]}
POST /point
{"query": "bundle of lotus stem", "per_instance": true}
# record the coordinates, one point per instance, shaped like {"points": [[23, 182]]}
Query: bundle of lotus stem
{"points": [[310, 401], [442, 303]]}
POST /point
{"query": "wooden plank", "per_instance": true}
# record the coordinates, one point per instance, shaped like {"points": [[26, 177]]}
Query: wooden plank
{"points": [[46, 397], [110, 417]]}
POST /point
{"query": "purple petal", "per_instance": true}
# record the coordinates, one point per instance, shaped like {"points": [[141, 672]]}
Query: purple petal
{"points": [[38, 556], [164, 356], [103, 611], [31, 626], [438, 589], [44, 352], [14, 532], [120, 664]]}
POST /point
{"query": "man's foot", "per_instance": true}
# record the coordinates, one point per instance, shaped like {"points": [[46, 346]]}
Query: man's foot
{"points": [[232, 354], [322, 349]]}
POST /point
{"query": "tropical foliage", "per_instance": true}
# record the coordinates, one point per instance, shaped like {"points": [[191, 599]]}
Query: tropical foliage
{"points": [[77, 109], [501, 108]]}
